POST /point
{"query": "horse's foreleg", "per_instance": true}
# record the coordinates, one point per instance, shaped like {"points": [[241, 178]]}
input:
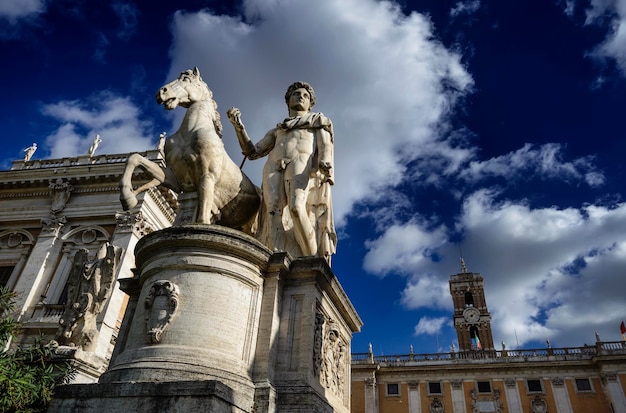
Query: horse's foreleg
{"points": [[128, 197], [146, 186]]}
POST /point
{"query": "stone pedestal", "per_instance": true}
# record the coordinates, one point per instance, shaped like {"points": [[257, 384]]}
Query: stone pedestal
{"points": [[216, 322]]}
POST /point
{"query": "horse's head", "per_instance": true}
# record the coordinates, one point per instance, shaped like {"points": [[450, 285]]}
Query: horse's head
{"points": [[184, 91]]}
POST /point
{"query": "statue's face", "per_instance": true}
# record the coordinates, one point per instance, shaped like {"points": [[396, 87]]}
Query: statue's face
{"points": [[300, 99]]}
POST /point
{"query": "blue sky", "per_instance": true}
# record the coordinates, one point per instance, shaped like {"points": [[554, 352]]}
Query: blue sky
{"points": [[488, 127]]}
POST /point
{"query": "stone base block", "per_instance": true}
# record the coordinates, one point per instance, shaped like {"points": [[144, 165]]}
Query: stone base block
{"points": [[188, 396]]}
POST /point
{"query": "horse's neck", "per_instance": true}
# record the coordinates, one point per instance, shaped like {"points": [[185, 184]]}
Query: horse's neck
{"points": [[198, 115]]}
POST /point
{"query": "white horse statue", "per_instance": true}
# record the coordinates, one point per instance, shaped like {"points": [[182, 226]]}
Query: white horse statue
{"points": [[196, 160]]}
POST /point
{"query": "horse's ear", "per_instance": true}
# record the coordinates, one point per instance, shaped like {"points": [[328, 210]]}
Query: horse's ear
{"points": [[196, 71]]}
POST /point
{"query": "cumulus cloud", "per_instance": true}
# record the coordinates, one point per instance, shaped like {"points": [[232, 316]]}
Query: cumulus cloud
{"points": [[613, 13], [430, 325], [402, 248], [543, 162], [383, 73], [115, 118], [544, 268]]}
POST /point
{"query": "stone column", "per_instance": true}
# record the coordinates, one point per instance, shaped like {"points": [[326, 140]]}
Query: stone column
{"points": [[561, 397], [267, 348], [458, 398], [414, 397], [614, 391], [513, 401], [39, 267], [371, 393]]}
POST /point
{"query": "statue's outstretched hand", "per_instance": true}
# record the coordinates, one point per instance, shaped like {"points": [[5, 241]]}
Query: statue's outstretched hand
{"points": [[234, 116]]}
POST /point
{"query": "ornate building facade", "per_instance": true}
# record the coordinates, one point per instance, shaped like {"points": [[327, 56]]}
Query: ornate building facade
{"points": [[64, 244], [480, 379]]}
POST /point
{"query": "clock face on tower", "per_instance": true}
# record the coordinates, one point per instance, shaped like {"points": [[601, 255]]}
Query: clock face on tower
{"points": [[471, 315]]}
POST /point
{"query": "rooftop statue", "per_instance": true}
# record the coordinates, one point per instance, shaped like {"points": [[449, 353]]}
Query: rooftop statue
{"points": [[96, 142], [296, 215], [196, 160], [30, 151]]}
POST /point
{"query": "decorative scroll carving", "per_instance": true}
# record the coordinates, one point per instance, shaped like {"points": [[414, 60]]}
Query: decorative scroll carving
{"points": [[538, 405], [510, 382], [162, 304], [456, 384], [370, 381], [557, 381], [436, 406], [53, 224], [60, 192], [414, 385], [128, 222], [609, 376], [89, 286]]}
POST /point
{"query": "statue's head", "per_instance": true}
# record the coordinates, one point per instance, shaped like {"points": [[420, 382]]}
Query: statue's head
{"points": [[300, 85]]}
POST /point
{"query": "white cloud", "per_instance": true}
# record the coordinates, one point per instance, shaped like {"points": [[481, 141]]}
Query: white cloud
{"points": [[115, 118], [614, 45], [14, 10], [550, 273], [402, 248], [430, 325], [529, 161], [426, 291], [465, 7], [378, 71]]}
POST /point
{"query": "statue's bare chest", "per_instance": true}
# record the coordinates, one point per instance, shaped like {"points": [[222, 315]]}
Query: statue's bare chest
{"points": [[294, 142]]}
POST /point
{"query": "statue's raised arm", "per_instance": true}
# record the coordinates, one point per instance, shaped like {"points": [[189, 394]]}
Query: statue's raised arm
{"points": [[247, 147]]}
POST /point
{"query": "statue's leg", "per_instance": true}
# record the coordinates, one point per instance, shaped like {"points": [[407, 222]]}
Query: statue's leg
{"points": [[296, 183], [303, 229]]}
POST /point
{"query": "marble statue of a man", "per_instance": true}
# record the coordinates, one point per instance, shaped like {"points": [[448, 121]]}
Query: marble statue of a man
{"points": [[30, 151], [96, 142], [296, 214]]}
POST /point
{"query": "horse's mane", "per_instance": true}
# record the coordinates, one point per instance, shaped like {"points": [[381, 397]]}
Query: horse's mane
{"points": [[217, 123]]}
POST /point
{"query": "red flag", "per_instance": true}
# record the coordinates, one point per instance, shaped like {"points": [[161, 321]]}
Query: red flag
{"points": [[622, 328]]}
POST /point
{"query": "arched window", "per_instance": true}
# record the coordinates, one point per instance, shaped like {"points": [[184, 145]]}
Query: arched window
{"points": [[476, 344], [469, 299]]}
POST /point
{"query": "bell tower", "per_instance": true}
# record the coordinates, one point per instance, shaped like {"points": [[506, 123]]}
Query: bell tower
{"points": [[472, 320]]}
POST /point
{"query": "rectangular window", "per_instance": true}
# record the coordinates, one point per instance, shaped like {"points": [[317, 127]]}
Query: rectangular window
{"points": [[393, 389], [534, 386], [484, 387], [434, 387], [583, 385]]}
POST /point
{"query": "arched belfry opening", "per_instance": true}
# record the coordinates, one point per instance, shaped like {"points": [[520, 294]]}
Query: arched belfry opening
{"points": [[469, 299]]}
